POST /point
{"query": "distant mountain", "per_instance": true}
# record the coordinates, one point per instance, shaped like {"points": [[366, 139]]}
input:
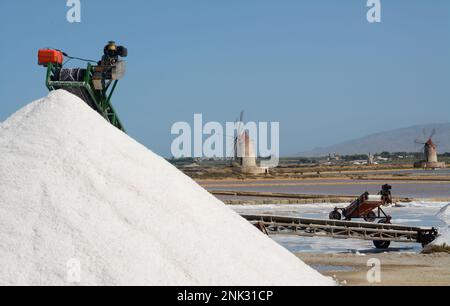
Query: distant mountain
{"points": [[400, 140]]}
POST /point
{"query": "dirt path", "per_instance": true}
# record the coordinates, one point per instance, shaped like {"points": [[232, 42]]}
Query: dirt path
{"points": [[396, 269]]}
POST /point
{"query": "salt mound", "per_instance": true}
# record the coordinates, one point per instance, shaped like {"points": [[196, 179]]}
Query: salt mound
{"points": [[73, 189], [444, 214], [444, 238]]}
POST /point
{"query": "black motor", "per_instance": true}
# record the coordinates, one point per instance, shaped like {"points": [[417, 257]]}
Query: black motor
{"points": [[386, 193], [112, 52]]}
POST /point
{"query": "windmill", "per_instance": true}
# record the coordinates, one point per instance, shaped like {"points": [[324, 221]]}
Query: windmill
{"points": [[430, 152], [244, 157], [370, 159]]}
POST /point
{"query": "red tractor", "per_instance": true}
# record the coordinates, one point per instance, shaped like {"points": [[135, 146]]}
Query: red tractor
{"points": [[367, 207]]}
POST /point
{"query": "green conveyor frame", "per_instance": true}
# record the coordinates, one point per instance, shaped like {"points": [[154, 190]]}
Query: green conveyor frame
{"points": [[100, 100]]}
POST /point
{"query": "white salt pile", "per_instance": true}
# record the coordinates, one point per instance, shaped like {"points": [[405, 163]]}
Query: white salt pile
{"points": [[444, 216], [81, 202]]}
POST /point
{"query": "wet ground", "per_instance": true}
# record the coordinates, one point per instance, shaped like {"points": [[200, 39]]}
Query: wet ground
{"points": [[395, 269]]}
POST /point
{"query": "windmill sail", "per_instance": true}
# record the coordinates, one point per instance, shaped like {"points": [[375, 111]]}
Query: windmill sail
{"points": [[239, 132]]}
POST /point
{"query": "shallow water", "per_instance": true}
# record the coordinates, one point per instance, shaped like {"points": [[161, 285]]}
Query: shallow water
{"points": [[405, 189]]}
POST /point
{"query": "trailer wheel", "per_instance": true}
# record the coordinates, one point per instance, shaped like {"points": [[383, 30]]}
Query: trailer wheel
{"points": [[335, 215], [381, 244], [427, 239]]}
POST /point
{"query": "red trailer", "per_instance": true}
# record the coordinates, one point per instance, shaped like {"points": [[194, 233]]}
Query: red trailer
{"points": [[367, 207]]}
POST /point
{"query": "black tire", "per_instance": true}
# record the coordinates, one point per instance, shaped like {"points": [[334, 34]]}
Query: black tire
{"points": [[381, 245], [427, 239], [335, 215], [370, 217]]}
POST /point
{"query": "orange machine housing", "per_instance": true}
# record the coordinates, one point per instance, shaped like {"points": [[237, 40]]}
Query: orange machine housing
{"points": [[48, 56]]}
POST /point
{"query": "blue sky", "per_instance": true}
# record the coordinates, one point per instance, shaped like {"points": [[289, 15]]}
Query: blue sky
{"points": [[316, 66]]}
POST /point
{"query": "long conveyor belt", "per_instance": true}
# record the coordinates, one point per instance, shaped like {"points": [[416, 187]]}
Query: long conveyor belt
{"points": [[278, 225]]}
